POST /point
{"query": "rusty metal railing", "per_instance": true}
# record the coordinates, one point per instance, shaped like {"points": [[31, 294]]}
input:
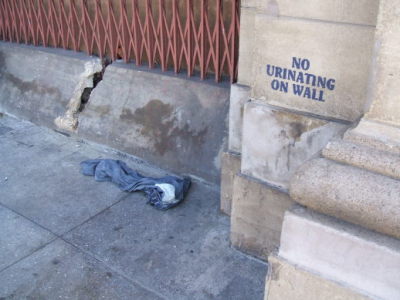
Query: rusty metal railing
{"points": [[199, 36]]}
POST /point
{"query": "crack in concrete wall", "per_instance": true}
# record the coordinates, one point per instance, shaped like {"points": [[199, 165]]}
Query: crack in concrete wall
{"points": [[89, 79]]}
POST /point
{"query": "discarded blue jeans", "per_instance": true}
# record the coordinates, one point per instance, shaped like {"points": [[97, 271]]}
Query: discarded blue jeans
{"points": [[163, 193]]}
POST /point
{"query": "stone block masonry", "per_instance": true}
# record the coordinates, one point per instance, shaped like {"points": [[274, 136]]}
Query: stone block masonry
{"points": [[341, 54], [357, 12], [367, 261], [287, 281], [332, 39], [358, 196], [357, 181], [257, 216], [229, 169], [240, 94], [277, 141], [305, 71]]}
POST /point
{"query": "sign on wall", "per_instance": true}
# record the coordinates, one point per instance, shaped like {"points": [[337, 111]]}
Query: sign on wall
{"points": [[299, 80]]}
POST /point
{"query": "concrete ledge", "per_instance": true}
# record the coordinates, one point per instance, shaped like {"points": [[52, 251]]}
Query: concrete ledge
{"points": [[287, 281], [174, 122], [352, 194], [257, 216], [382, 162], [39, 84], [177, 123], [365, 260], [230, 167], [375, 135]]}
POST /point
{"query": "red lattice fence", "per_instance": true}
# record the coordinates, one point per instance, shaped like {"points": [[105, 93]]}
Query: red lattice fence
{"points": [[195, 35]]}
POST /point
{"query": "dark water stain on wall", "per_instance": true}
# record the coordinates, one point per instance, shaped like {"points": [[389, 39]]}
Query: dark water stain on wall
{"points": [[32, 86], [296, 130], [27, 86], [160, 124], [2, 62], [296, 125]]}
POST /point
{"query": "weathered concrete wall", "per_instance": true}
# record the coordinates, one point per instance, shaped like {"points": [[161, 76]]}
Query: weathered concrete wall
{"points": [[179, 124], [38, 84], [171, 121]]}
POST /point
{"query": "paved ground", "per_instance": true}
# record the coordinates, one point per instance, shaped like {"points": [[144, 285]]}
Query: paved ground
{"points": [[65, 236]]}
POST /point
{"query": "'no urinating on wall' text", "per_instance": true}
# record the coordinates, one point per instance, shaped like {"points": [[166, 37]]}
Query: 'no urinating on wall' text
{"points": [[299, 81]]}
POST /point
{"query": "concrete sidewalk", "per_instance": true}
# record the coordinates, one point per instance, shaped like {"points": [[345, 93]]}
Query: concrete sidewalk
{"points": [[65, 236]]}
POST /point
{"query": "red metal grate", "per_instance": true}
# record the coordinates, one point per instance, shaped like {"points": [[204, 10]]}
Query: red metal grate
{"points": [[195, 35]]}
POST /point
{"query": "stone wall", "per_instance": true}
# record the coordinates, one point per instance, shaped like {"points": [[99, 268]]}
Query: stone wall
{"points": [[304, 80], [315, 116]]}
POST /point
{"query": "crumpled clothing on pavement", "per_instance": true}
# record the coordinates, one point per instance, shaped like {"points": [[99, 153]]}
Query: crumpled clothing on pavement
{"points": [[162, 193]]}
